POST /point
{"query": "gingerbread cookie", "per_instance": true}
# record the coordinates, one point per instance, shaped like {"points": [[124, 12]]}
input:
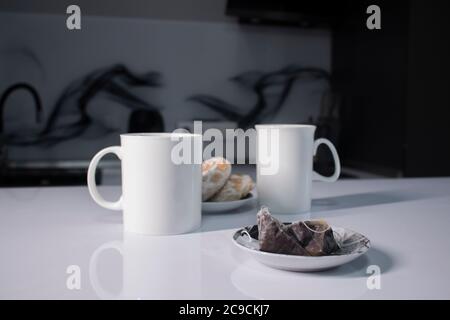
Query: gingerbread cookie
{"points": [[215, 173], [237, 187]]}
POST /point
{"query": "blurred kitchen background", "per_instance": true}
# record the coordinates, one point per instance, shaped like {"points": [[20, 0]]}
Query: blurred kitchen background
{"points": [[382, 96]]}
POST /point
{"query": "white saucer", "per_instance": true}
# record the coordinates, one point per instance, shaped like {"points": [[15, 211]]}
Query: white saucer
{"points": [[352, 244], [227, 205]]}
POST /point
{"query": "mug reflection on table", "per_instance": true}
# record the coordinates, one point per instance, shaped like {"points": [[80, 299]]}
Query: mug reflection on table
{"points": [[150, 267]]}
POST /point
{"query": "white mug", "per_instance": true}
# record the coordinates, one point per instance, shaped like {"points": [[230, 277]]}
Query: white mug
{"points": [[284, 161], [159, 196]]}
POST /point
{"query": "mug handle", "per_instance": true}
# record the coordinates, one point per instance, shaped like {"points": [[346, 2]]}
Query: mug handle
{"points": [[92, 186], [337, 163], [93, 276]]}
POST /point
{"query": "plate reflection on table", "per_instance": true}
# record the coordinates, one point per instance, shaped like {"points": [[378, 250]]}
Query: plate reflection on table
{"points": [[261, 282]]}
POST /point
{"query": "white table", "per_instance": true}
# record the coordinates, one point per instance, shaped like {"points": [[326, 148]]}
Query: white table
{"points": [[43, 231]]}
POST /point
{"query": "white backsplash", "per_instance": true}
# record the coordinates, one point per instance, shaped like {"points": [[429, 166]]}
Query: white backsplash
{"points": [[193, 57]]}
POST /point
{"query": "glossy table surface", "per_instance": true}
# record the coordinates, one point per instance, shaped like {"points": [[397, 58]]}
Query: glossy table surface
{"points": [[57, 243]]}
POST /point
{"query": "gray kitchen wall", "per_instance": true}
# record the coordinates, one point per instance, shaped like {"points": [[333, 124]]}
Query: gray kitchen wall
{"points": [[193, 55]]}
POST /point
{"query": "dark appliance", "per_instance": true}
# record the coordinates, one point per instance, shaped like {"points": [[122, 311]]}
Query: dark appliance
{"points": [[302, 13], [24, 176]]}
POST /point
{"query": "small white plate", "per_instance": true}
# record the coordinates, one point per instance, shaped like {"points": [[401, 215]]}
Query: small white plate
{"points": [[228, 205], [352, 244]]}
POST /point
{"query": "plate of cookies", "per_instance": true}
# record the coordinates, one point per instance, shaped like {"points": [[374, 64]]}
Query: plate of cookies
{"points": [[221, 189]]}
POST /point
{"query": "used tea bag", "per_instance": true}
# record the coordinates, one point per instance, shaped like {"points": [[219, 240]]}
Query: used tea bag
{"points": [[273, 236], [315, 236], [305, 238]]}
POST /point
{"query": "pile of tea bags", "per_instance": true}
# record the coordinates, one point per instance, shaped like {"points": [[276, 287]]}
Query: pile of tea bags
{"points": [[305, 238]]}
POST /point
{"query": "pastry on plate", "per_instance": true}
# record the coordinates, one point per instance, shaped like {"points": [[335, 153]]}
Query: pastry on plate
{"points": [[215, 173], [236, 187]]}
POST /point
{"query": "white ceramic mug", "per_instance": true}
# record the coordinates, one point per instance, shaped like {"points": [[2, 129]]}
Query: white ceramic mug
{"points": [[159, 196], [285, 166]]}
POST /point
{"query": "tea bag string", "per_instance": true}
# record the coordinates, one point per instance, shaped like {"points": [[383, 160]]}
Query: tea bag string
{"points": [[266, 209], [246, 233], [315, 231]]}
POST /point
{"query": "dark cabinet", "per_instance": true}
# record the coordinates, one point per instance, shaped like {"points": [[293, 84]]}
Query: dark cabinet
{"points": [[395, 88]]}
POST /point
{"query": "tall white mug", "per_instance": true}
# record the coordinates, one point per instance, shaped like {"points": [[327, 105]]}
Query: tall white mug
{"points": [[284, 161], [159, 195]]}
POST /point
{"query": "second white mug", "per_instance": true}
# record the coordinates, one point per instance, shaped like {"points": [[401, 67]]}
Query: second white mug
{"points": [[285, 166]]}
